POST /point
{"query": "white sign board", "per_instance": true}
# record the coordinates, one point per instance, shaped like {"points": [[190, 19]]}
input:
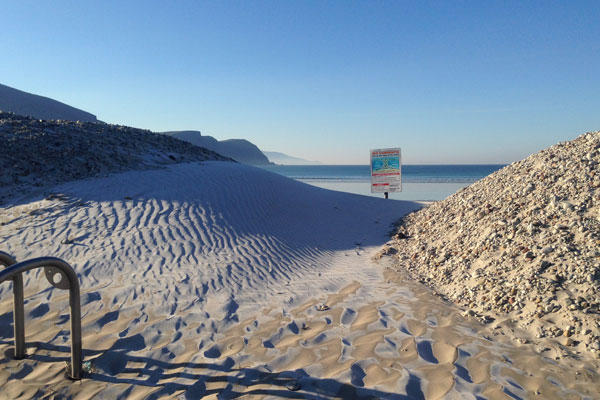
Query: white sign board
{"points": [[386, 170]]}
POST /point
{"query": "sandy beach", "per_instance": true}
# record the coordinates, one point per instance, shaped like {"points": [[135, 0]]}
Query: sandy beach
{"points": [[219, 280], [299, 200]]}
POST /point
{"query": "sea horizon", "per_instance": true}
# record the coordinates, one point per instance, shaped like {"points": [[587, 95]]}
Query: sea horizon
{"points": [[420, 182]]}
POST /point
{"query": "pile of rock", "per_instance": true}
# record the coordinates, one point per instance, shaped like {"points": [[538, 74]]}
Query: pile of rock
{"points": [[39, 153], [522, 244]]}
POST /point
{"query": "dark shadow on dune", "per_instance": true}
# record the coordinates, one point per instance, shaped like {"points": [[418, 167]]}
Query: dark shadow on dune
{"points": [[425, 351], [344, 212], [6, 325], [238, 382]]}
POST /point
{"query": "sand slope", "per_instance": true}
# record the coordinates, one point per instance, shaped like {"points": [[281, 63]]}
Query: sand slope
{"points": [[204, 280], [195, 233], [191, 245]]}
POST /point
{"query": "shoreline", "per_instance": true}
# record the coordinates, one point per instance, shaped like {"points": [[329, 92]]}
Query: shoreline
{"points": [[412, 191]]}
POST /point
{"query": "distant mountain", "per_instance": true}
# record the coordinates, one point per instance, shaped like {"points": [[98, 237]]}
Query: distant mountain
{"points": [[284, 159], [40, 107], [239, 149]]}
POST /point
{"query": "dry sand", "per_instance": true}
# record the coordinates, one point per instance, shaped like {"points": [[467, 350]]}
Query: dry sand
{"points": [[207, 280]]}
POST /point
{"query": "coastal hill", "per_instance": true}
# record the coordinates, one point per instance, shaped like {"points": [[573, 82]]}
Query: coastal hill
{"points": [[521, 245], [43, 108], [283, 159], [239, 149], [39, 153], [40, 107]]}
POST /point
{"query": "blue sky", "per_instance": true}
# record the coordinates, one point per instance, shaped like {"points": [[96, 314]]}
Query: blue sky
{"points": [[447, 81]]}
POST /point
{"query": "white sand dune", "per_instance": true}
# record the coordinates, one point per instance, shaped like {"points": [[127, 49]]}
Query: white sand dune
{"points": [[217, 234], [203, 280]]}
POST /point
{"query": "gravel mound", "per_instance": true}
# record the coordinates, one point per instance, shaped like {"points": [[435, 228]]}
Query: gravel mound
{"points": [[38, 153], [521, 245]]}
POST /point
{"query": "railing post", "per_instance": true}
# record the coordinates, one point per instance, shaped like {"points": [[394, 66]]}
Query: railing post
{"points": [[18, 307], [76, 345], [68, 280], [19, 316]]}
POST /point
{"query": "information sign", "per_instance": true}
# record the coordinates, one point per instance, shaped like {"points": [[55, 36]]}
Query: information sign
{"points": [[386, 170]]}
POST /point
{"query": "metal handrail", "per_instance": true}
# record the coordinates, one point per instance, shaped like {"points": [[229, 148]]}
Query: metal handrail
{"points": [[53, 267], [18, 307]]}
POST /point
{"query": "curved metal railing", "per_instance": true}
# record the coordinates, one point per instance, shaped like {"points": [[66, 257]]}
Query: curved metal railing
{"points": [[60, 275]]}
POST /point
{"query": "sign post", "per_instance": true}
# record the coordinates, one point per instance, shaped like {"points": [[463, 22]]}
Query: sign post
{"points": [[386, 171]]}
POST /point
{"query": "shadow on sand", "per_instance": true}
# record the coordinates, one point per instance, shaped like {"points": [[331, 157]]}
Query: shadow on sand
{"points": [[194, 380]]}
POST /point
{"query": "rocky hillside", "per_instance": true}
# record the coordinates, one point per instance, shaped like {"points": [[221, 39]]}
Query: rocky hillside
{"points": [[239, 149], [523, 244], [23, 103], [39, 153]]}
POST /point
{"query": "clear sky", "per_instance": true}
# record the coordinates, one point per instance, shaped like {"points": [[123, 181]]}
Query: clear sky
{"points": [[447, 81]]}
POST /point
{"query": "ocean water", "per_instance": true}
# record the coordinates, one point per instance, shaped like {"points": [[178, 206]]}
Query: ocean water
{"points": [[419, 182]]}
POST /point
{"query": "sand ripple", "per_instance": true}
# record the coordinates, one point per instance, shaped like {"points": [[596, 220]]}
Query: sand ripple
{"points": [[205, 280]]}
